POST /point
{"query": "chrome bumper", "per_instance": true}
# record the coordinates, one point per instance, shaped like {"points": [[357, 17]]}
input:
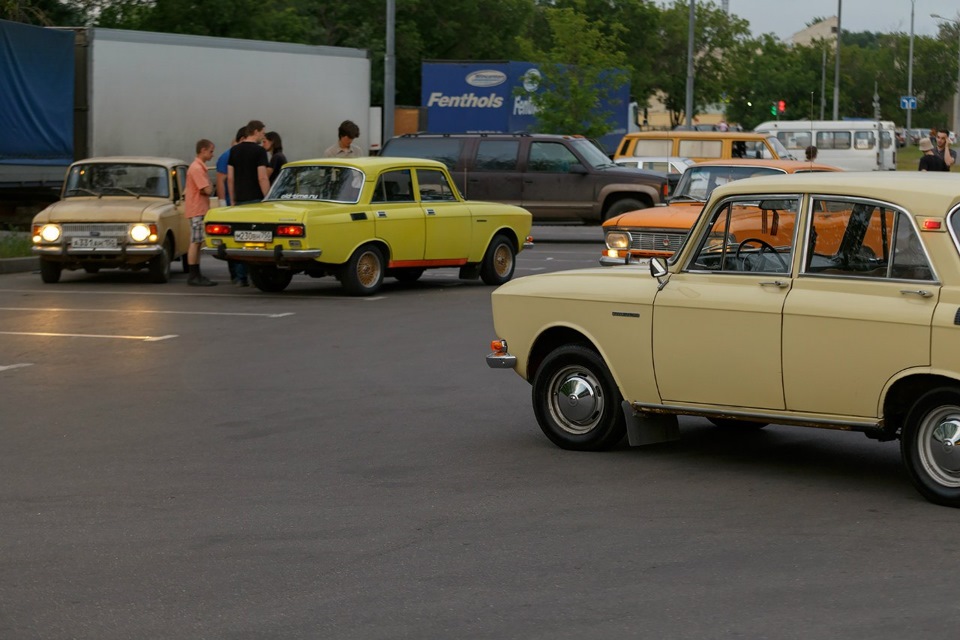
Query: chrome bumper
{"points": [[277, 254], [498, 360], [119, 252], [607, 261]]}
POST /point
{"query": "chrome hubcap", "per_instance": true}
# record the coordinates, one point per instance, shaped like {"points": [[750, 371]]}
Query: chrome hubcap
{"points": [[576, 400], [939, 436], [502, 261], [368, 269]]}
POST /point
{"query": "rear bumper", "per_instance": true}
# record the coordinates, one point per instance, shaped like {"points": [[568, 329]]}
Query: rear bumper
{"points": [[275, 255]]}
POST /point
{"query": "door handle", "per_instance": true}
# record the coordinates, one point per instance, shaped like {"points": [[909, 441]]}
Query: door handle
{"points": [[774, 283], [916, 292], [431, 212]]}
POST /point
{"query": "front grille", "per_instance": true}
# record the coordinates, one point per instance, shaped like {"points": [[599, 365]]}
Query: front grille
{"points": [[656, 240], [84, 229]]}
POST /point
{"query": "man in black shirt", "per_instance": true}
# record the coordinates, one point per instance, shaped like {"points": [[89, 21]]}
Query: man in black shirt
{"points": [[247, 178], [930, 161]]}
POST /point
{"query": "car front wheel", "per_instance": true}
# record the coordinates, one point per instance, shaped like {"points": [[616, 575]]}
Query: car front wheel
{"points": [[576, 402], [160, 266], [363, 273], [50, 271], [499, 261], [930, 445]]}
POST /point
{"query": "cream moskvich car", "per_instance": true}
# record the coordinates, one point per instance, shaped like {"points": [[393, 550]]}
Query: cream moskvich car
{"points": [[841, 310]]}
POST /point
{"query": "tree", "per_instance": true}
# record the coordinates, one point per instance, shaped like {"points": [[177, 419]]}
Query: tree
{"points": [[42, 12], [581, 65]]}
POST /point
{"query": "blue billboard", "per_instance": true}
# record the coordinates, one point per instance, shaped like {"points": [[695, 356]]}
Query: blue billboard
{"points": [[479, 97]]}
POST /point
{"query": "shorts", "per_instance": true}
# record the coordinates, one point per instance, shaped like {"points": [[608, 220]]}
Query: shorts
{"points": [[196, 229]]}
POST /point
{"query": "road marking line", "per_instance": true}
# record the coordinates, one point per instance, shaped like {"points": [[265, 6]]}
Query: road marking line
{"points": [[16, 366], [189, 313], [290, 295], [87, 335]]}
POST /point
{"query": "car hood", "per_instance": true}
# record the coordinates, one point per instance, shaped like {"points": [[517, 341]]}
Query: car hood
{"points": [[628, 283], [102, 209], [681, 215]]}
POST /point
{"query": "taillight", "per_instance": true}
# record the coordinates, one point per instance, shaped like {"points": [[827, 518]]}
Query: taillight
{"points": [[498, 346], [665, 189], [214, 229], [290, 230]]}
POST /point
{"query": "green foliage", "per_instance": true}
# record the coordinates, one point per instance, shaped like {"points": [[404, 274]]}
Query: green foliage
{"points": [[581, 64], [15, 245]]}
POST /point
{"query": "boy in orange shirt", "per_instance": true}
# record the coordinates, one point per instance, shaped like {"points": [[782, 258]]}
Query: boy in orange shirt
{"points": [[197, 202]]}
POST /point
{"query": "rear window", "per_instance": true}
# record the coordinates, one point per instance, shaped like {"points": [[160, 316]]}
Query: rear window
{"points": [[446, 150]]}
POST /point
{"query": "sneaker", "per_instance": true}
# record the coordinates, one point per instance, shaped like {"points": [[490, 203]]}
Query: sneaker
{"points": [[201, 281]]}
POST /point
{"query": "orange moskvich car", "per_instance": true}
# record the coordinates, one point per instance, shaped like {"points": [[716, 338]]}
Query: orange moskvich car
{"points": [[659, 231]]}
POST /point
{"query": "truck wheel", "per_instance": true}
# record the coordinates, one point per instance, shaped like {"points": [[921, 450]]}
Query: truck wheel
{"points": [[50, 271], [622, 206], [363, 273], [499, 261], [928, 445], [576, 401], [270, 279], [732, 423], [160, 266]]}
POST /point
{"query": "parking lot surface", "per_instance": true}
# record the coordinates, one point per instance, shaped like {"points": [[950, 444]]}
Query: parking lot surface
{"points": [[224, 463]]}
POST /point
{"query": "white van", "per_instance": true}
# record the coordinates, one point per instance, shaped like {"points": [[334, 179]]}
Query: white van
{"points": [[854, 145]]}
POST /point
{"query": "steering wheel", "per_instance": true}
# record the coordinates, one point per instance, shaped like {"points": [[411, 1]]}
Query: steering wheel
{"points": [[763, 245]]}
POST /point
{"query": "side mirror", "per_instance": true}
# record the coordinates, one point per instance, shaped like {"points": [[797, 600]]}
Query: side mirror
{"points": [[658, 269], [578, 168]]}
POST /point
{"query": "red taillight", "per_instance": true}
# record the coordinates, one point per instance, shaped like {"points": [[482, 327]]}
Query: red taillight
{"points": [[290, 230], [214, 229], [931, 225], [665, 189]]}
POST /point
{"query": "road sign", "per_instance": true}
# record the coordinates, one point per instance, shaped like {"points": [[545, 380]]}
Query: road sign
{"points": [[908, 102]]}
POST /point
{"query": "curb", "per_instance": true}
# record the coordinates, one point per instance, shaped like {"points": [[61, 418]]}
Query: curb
{"points": [[19, 265]]}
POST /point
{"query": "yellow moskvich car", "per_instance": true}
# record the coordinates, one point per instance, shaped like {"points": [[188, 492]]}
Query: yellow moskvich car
{"points": [[845, 315], [362, 219], [115, 212]]}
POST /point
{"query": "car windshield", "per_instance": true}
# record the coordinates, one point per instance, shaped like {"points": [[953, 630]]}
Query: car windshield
{"points": [[117, 179], [330, 183], [698, 182], [591, 154]]}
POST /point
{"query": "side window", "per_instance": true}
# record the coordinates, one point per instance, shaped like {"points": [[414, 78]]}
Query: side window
{"points": [[497, 155], [886, 140], [864, 140], [910, 261], [179, 182], [393, 186], [701, 148], [653, 148], [833, 139], [550, 157], [755, 236], [851, 238], [434, 186], [795, 139]]}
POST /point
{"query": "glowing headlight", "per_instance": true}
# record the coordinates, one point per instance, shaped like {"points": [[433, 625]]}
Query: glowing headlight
{"points": [[50, 233], [618, 240], [139, 232]]}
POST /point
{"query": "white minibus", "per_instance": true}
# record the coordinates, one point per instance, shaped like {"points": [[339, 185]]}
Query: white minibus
{"points": [[854, 145]]}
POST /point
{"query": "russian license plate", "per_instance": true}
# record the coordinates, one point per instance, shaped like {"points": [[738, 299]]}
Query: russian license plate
{"points": [[94, 243], [253, 236]]}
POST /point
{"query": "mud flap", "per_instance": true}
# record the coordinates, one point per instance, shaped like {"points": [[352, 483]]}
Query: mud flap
{"points": [[649, 428]]}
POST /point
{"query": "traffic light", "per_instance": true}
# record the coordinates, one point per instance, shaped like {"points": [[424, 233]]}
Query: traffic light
{"points": [[773, 109], [781, 106]]}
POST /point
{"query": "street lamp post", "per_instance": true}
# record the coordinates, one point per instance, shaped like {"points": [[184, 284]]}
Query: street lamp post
{"points": [[956, 117], [688, 103], [906, 137]]}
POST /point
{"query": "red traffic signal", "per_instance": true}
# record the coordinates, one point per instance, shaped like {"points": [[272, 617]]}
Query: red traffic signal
{"points": [[781, 106]]}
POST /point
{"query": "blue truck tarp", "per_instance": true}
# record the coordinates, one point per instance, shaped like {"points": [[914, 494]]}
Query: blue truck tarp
{"points": [[36, 95]]}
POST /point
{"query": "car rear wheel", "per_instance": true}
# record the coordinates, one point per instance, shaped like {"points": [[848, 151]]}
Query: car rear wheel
{"points": [[270, 279], [50, 271], [930, 445], [576, 401], [160, 266], [499, 261], [622, 206], [363, 273]]}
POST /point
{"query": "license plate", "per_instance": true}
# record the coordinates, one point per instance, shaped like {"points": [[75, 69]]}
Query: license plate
{"points": [[94, 243], [253, 236]]}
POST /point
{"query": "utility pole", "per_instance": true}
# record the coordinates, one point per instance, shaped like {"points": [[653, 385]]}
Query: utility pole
{"points": [[389, 73], [688, 106], [913, 5], [836, 71]]}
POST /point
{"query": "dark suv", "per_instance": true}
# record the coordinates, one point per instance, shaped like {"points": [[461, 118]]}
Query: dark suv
{"points": [[556, 178]]}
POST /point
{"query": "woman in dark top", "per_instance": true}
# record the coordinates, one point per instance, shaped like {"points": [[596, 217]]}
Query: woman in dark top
{"points": [[273, 144]]}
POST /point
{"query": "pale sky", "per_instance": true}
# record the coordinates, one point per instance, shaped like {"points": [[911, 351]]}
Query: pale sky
{"points": [[786, 17]]}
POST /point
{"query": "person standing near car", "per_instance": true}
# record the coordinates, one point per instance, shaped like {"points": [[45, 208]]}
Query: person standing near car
{"points": [[247, 180], [930, 161], [943, 148], [196, 195], [346, 134], [274, 144]]}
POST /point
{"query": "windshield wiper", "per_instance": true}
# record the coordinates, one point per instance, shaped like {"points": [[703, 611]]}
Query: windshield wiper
{"points": [[133, 193], [93, 193]]}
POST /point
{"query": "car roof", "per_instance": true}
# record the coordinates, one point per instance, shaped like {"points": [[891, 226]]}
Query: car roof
{"points": [[677, 159], [167, 162], [370, 163], [700, 135], [790, 166], [920, 192]]}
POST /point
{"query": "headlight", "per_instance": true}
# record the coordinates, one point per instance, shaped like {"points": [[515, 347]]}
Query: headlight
{"points": [[618, 240], [50, 232], [139, 232]]}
